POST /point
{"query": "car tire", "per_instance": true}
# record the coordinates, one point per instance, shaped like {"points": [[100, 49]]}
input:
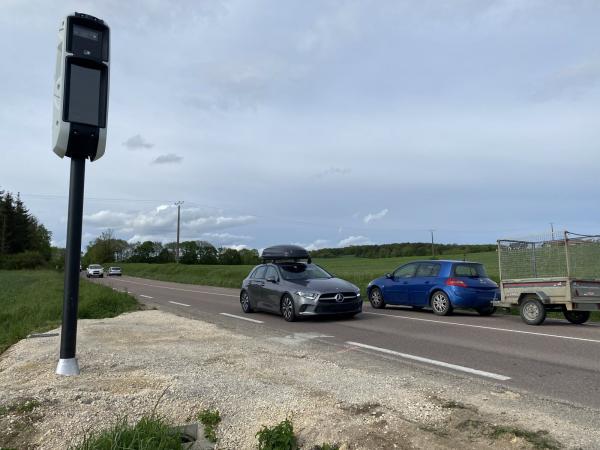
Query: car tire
{"points": [[486, 311], [245, 302], [288, 310], [532, 311], [577, 317], [101, 276], [87, 275], [440, 303], [376, 298]]}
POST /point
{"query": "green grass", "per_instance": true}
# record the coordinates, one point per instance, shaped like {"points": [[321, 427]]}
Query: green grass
{"points": [[149, 433], [356, 270], [31, 301]]}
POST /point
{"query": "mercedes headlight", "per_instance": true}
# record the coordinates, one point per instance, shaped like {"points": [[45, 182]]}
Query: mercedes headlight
{"points": [[307, 295]]}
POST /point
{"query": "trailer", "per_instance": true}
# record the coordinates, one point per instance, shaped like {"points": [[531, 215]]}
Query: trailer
{"points": [[550, 274]]}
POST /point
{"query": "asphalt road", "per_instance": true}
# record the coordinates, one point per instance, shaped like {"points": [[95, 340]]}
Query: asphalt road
{"points": [[557, 360]]}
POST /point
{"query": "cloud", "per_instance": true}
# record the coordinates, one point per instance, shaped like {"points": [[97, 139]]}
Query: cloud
{"points": [[136, 142], [354, 240], [160, 223], [170, 158], [225, 238], [332, 171], [571, 82], [375, 216], [315, 245], [237, 247]]}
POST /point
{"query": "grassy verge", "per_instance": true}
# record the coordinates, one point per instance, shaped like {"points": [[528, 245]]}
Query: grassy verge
{"points": [[359, 271], [31, 301]]}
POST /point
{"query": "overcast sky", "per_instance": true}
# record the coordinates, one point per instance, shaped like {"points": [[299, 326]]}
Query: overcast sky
{"points": [[323, 123]]}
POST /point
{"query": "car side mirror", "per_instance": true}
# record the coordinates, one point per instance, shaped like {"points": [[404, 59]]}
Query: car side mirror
{"points": [[272, 279], [389, 275]]}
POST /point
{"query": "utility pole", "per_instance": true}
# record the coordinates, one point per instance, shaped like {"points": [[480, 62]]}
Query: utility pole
{"points": [[552, 228], [432, 244], [178, 204]]}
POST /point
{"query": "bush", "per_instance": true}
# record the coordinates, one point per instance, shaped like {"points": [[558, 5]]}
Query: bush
{"points": [[20, 261], [279, 437]]}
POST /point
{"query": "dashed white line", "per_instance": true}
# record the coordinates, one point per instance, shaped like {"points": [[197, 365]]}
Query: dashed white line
{"points": [[145, 296], [558, 336], [434, 362], [177, 303], [178, 289], [241, 318]]}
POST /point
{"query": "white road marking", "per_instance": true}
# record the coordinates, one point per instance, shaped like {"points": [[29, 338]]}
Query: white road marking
{"points": [[242, 318], [179, 289], [558, 336], [434, 362], [177, 303], [145, 296]]}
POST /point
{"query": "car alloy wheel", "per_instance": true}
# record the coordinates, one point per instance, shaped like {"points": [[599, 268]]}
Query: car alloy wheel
{"points": [[440, 303], [287, 309], [245, 301], [376, 298]]}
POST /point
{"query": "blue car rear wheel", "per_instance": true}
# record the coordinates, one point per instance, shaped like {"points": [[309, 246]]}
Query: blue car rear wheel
{"points": [[440, 303]]}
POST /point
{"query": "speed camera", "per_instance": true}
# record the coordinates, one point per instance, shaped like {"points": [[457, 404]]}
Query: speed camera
{"points": [[81, 88]]}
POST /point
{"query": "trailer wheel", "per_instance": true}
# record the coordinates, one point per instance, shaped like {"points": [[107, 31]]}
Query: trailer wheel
{"points": [[532, 311], [577, 317]]}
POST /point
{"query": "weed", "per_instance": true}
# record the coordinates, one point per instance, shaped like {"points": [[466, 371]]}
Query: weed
{"points": [[210, 419], [326, 446], [539, 439], [278, 437], [150, 432], [22, 407]]}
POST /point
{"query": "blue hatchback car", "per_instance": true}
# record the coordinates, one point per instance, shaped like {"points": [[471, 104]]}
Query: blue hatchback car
{"points": [[440, 285]]}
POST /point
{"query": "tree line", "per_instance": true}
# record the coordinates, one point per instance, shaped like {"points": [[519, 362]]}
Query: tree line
{"points": [[24, 242], [401, 249], [107, 249]]}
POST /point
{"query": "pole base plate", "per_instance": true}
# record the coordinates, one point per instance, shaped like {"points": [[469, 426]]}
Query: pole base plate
{"points": [[67, 367]]}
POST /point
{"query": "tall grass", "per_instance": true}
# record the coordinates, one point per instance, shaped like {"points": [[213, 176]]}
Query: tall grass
{"points": [[32, 300]]}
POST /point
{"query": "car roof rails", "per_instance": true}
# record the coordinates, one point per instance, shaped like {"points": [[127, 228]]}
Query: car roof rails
{"points": [[281, 253]]}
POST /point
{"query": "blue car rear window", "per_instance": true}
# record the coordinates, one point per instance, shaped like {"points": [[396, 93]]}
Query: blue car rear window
{"points": [[469, 270]]}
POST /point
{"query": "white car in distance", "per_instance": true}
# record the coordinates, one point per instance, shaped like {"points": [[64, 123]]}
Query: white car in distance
{"points": [[95, 270], [114, 271]]}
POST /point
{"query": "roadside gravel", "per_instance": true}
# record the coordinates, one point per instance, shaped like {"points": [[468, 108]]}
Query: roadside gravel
{"points": [[333, 394]]}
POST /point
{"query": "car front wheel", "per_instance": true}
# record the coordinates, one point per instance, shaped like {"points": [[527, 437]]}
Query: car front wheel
{"points": [[245, 302], [287, 309], [376, 298], [440, 303]]}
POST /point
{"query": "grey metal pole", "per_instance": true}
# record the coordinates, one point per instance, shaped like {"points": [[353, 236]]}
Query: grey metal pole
{"points": [[67, 364], [432, 245], [178, 217]]}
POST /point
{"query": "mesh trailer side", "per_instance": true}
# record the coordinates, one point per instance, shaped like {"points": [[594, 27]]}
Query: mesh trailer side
{"points": [[559, 255]]}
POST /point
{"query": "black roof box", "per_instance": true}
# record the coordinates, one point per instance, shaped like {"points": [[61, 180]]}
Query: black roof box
{"points": [[285, 252]]}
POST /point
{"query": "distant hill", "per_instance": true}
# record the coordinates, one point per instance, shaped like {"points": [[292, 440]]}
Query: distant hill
{"points": [[401, 249]]}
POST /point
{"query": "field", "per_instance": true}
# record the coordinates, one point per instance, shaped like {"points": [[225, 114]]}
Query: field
{"points": [[31, 301], [356, 270]]}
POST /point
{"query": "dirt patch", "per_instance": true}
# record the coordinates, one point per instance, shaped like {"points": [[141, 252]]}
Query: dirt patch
{"points": [[129, 362]]}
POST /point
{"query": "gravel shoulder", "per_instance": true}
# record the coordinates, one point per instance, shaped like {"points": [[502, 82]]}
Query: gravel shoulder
{"points": [[334, 394]]}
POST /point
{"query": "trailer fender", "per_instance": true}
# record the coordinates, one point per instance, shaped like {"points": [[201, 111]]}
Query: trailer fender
{"points": [[545, 299]]}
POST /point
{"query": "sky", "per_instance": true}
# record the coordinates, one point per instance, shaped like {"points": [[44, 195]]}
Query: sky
{"points": [[324, 123]]}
